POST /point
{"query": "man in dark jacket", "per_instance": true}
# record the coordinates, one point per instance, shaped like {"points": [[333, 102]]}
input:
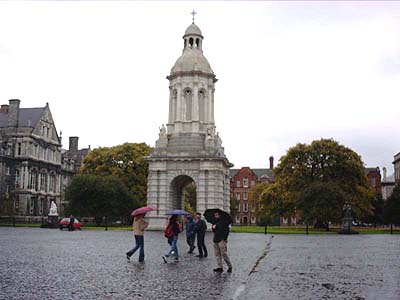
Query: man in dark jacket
{"points": [[221, 232], [200, 230]]}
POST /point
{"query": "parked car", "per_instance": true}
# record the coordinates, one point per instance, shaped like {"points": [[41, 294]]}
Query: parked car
{"points": [[64, 223]]}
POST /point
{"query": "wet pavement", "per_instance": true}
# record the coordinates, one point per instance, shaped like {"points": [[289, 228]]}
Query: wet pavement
{"points": [[53, 264]]}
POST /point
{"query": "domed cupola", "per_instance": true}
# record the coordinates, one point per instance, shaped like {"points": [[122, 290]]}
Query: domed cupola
{"points": [[192, 58]]}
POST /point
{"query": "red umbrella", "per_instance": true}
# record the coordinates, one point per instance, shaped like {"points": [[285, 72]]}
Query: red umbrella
{"points": [[143, 210]]}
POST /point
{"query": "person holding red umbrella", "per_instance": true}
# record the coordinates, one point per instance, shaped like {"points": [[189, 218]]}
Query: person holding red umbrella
{"points": [[139, 226]]}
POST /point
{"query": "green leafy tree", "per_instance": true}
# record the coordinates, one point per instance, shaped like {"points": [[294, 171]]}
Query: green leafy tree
{"points": [[234, 204], [126, 162], [392, 207], [316, 180], [97, 196], [189, 192]]}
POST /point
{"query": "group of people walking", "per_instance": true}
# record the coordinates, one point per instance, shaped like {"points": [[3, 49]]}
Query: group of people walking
{"points": [[195, 228]]}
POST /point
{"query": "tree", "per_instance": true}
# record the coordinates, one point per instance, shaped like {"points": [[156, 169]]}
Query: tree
{"points": [[316, 180], [255, 200], [126, 162], [392, 207], [98, 196], [189, 192], [234, 204]]}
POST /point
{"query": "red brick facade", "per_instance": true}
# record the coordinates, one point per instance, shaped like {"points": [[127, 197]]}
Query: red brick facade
{"points": [[374, 179]]}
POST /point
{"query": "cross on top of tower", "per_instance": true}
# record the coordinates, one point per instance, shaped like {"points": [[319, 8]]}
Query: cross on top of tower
{"points": [[193, 13]]}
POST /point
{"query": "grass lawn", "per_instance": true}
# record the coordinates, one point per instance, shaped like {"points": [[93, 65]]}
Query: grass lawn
{"points": [[311, 230]]}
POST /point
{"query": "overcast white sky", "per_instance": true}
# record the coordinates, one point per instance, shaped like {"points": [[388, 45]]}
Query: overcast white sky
{"points": [[288, 72]]}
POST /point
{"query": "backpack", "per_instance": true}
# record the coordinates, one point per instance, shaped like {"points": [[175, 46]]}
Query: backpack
{"points": [[169, 231]]}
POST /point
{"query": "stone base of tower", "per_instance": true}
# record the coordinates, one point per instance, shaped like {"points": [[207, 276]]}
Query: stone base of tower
{"points": [[168, 176]]}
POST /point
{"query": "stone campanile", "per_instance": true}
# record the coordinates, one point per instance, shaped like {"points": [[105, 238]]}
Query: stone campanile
{"points": [[189, 149]]}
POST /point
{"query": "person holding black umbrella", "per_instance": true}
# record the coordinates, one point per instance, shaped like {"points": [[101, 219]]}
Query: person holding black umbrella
{"points": [[221, 221]]}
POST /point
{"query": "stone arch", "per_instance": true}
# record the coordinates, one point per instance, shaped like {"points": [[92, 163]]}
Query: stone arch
{"points": [[177, 185]]}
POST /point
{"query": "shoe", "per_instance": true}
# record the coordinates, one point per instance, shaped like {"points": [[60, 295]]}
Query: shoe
{"points": [[205, 255], [176, 259], [190, 252], [128, 257], [229, 270], [164, 259], [218, 270], [199, 255]]}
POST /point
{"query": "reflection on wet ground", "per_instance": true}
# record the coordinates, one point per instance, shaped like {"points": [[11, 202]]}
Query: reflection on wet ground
{"points": [[53, 264]]}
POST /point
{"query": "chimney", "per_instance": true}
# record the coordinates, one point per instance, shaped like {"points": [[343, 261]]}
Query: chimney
{"points": [[271, 162], [4, 108], [13, 112], [73, 143], [384, 173]]}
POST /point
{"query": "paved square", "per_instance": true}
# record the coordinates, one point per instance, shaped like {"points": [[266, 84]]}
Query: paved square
{"points": [[53, 264]]}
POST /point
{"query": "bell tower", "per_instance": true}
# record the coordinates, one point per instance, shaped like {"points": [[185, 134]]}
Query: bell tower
{"points": [[189, 150]]}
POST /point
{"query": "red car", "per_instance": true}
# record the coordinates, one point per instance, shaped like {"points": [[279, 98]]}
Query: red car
{"points": [[64, 223]]}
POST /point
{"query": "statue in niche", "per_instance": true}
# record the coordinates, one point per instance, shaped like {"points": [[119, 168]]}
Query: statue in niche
{"points": [[53, 209]]}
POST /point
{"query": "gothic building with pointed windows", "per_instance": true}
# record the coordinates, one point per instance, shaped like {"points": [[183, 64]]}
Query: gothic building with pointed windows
{"points": [[34, 170]]}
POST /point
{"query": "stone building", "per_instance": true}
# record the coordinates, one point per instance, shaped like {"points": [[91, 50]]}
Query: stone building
{"points": [[396, 164], [30, 159], [189, 150], [241, 181], [388, 184]]}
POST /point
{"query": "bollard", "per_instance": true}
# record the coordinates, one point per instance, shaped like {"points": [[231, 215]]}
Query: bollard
{"points": [[265, 229], [306, 228], [391, 228]]}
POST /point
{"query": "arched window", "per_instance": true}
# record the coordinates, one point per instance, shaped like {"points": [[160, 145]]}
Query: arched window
{"points": [[197, 42], [191, 42], [202, 105], [174, 103], [188, 104]]}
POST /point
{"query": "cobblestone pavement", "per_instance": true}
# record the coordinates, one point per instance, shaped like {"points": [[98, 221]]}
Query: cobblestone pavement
{"points": [[53, 264]]}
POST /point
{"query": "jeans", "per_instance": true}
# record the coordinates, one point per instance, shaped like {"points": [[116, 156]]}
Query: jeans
{"points": [[174, 246], [200, 245], [139, 239], [190, 241]]}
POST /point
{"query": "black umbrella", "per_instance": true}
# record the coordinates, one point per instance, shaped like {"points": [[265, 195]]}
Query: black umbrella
{"points": [[209, 215]]}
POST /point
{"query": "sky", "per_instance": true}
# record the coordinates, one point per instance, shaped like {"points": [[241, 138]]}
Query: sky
{"points": [[288, 72]]}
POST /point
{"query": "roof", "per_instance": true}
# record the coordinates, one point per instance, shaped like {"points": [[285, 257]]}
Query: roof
{"points": [[28, 117], [192, 59], [373, 169], [261, 173], [193, 29]]}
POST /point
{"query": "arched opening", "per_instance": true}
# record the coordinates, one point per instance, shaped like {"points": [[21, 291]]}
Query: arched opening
{"points": [[183, 193], [197, 42], [191, 42], [245, 221]]}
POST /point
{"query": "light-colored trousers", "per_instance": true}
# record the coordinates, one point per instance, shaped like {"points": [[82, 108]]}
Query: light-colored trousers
{"points": [[220, 250]]}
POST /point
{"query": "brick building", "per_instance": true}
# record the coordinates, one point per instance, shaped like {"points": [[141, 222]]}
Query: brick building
{"points": [[241, 181], [396, 163], [374, 179]]}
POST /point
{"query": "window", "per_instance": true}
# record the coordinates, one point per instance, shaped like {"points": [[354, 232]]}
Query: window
{"points": [[43, 181], [239, 205], [238, 196], [245, 196], [19, 149], [33, 180], [253, 183], [237, 219], [245, 182], [253, 208], [245, 207], [238, 183], [31, 205], [373, 182], [253, 219], [17, 179]]}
